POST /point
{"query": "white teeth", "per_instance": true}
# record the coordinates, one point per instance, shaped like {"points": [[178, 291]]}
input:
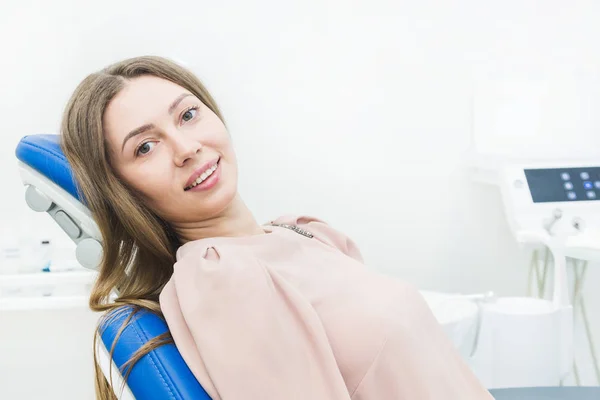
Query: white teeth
{"points": [[204, 175]]}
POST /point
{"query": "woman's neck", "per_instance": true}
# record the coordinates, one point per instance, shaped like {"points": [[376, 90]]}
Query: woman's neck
{"points": [[235, 220]]}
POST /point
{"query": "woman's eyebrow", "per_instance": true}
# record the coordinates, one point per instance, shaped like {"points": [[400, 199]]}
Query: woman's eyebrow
{"points": [[177, 101]]}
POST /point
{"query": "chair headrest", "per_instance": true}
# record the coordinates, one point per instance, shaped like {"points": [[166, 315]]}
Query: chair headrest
{"points": [[160, 374], [43, 153]]}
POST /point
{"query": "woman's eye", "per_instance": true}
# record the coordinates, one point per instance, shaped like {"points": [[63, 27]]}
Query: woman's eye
{"points": [[189, 114], [144, 148]]}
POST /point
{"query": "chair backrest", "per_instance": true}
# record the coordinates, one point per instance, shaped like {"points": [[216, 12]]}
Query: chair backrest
{"points": [[51, 188], [162, 374]]}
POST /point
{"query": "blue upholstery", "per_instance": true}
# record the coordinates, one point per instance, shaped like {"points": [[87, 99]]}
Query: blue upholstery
{"points": [[43, 153], [162, 373]]}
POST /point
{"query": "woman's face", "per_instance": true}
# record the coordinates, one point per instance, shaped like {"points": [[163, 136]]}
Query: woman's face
{"points": [[163, 141]]}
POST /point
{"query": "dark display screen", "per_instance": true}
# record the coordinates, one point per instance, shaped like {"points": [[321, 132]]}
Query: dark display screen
{"points": [[564, 184]]}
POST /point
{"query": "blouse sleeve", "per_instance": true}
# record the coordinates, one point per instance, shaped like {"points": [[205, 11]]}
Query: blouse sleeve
{"points": [[256, 337]]}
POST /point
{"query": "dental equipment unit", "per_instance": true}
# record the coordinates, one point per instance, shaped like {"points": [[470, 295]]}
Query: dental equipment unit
{"points": [[552, 207]]}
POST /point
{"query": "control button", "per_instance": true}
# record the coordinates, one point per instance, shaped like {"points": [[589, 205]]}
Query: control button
{"points": [[67, 224], [519, 184], [565, 176], [597, 184], [591, 194], [585, 175], [568, 186], [571, 195], [89, 253], [37, 200], [587, 185]]}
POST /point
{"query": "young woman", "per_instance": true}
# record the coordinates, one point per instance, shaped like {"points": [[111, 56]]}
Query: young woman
{"points": [[285, 310]]}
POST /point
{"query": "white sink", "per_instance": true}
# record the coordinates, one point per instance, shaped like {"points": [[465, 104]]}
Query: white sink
{"points": [[458, 318]]}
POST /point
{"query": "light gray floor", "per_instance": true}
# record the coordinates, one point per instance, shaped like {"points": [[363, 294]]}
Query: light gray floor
{"points": [[555, 393]]}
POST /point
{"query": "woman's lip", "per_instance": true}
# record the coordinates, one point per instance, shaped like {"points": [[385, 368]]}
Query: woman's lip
{"points": [[209, 182], [200, 171]]}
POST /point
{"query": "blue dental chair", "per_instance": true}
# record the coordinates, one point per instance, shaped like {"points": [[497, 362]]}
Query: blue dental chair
{"points": [[162, 373]]}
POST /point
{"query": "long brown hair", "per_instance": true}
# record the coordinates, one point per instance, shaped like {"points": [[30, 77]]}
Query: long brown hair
{"points": [[138, 246]]}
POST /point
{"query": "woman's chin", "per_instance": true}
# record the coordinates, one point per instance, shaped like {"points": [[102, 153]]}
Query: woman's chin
{"points": [[206, 208]]}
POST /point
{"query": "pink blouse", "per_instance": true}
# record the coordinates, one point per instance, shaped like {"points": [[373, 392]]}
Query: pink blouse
{"points": [[287, 316]]}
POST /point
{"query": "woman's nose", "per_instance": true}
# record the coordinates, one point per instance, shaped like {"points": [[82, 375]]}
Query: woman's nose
{"points": [[185, 149]]}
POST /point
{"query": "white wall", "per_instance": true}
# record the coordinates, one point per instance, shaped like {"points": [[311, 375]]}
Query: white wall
{"points": [[359, 112]]}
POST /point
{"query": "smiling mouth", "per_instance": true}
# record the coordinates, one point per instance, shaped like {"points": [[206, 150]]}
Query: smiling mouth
{"points": [[205, 175]]}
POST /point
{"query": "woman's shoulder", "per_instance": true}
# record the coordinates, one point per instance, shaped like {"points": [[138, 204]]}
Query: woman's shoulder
{"points": [[322, 231]]}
